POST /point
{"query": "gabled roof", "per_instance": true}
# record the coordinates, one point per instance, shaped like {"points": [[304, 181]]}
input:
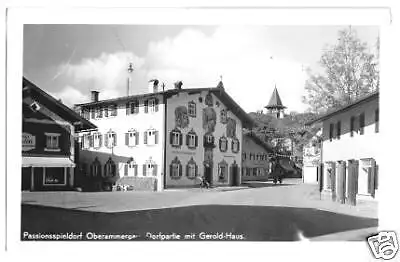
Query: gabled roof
{"points": [[258, 141], [275, 101], [80, 123], [219, 92], [370, 97]]}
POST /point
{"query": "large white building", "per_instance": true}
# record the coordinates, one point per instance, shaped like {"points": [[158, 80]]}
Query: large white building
{"points": [[350, 154], [164, 139]]}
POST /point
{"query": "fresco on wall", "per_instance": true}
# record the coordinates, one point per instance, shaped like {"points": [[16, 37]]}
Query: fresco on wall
{"points": [[209, 119], [181, 117], [231, 128]]}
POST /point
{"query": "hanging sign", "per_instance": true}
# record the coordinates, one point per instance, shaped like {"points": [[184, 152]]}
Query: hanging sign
{"points": [[28, 142]]}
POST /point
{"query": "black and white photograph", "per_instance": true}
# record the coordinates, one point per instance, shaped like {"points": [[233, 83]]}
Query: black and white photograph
{"points": [[202, 132]]}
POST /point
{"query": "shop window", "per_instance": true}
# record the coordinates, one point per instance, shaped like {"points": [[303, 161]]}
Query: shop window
{"points": [[52, 142], [223, 144], [175, 169], [192, 109], [54, 176], [151, 137], [95, 168]]}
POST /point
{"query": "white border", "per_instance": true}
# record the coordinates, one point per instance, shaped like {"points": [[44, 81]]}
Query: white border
{"points": [[241, 251]]}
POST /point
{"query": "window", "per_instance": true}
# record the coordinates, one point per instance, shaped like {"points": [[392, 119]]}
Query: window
{"points": [[248, 171], [54, 176], [113, 109], [362, 123], [105, 111], [95, 168], [134, 107], [52, 142], [110, 169], [254, 171], [235, 145], [175, 169], [377, 121], [132, 138], [176, 138], [97, 140], [131, 168], [191, 169], [209, 140], [244, 156], [85, 141], [352, 122], [92, 113], [151, 137], [223, 115], [223, 144], [151, 105], [111, 139], [150, 168], [191, 140], [192, 109], [331, 127], [99, 112], [259, 172], [338, 129]]}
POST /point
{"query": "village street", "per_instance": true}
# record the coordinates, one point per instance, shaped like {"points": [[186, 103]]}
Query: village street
{"points": [[258, 211]]}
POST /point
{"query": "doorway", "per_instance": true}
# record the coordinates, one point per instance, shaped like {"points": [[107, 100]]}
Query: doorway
{"points": [[208, 173], [234, 179]]}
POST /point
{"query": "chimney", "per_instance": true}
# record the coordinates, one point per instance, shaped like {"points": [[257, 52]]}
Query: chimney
{"points": [[153, 86], [178, 85], [95, 96]]}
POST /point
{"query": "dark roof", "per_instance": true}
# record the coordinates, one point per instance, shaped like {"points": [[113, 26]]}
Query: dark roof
{"points": [[258, 141], [217, 91], [55, 105], [370, 97], [275, 101]]}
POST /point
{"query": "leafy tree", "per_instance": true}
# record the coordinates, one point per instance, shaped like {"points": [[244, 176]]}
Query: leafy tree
{"points": [[350, 72]]}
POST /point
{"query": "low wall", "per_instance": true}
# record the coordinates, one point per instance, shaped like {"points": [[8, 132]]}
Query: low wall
{"points": [[139, 183]]}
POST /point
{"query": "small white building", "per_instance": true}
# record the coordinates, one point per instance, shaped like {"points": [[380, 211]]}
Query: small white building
{"points": [[165, 139], [349, 150]]}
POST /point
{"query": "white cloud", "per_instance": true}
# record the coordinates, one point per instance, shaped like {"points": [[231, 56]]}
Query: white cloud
{"points": [[239, 53]]}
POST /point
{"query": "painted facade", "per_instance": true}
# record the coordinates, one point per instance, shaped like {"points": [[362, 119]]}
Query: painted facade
{"points": [[183, 127], [48, 141], [255, 159], [350, 140]]}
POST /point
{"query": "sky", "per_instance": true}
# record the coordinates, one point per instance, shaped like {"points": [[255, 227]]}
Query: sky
{"points": [[68, 61]]}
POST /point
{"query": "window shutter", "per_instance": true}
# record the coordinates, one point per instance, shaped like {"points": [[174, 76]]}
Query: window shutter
{"points": [[106, 140], [91, 141], [170, 170], [136, 109], [101, 112], [180, 139], [136, 170], [128, 110], [126, 139], [376, 176], [238, 146], [137, 138], [187, 139], [105, 111], [145, 137], [115, 110], [196, 170], [187, 170], [144, 170], [115, 139], [156, 104], [171, 137], [146, 106], [154, 170], [362, 123], [180, 170], [126, 170], [92, 113], [156, 137], [196, 141], [100, 140]]}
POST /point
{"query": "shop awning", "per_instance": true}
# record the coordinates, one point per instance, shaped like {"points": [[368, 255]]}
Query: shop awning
{"points": [[47, 162]]}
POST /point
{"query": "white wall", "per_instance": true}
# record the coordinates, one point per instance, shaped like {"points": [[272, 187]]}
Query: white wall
{"points": [[184, 154], [141, 152]]}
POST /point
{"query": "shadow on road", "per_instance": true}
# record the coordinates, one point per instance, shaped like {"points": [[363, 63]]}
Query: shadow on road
{"points": [[265, 184], [256, 223]]}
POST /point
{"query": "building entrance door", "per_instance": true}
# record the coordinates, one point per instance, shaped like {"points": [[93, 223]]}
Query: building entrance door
{"points": [[234, 179], [208, 173]]}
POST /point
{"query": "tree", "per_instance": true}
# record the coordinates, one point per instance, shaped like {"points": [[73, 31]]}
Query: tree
{"points": [[350, 72]]}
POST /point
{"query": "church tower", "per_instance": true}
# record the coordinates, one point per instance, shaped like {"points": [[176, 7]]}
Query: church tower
{"points": [[275, 105]]}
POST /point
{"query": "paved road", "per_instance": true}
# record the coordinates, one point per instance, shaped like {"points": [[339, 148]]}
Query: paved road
{"points": [[257, 212]]}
